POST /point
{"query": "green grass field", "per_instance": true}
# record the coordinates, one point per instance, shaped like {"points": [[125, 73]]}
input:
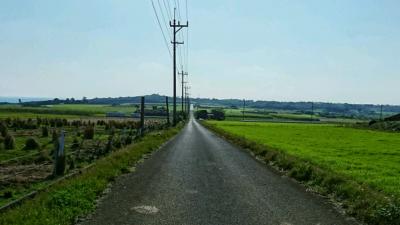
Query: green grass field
{"points": [[253, 114], [68, 111], [368, 157]]}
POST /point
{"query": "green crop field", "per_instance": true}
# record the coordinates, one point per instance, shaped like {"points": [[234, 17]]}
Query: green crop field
{"points": [[69, 111], [368, 157], [256, 114]]}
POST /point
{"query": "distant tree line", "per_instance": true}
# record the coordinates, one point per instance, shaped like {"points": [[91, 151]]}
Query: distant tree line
{"points": [[323, 108]]}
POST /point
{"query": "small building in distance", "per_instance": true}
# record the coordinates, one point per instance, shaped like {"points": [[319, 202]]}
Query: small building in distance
{"points": [[115, 114], [393, 118]]}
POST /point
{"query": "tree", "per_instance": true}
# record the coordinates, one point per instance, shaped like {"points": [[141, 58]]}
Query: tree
{"points": [[218, 114], [202, 114]]}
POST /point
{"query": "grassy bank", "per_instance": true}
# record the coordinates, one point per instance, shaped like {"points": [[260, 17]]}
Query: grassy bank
{"points": [[65, 201], [359, 168]]}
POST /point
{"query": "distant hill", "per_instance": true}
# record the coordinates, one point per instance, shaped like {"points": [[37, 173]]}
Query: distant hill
{"points": [[323, 108], [23, 99]]}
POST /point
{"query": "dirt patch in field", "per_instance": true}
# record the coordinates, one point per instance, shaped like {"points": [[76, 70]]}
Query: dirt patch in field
{"points": [[24, 174]]}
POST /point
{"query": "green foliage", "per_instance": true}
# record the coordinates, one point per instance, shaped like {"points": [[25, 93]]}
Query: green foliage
{"points": [[88, 133], [201, 114], [218, 114], [54, 136], [9, 142], [3, 129], [31, 144], [45, 131], [75, 144]]}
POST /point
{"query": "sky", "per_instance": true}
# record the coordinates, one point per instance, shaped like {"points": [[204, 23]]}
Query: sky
{"points": [[287, 50]]}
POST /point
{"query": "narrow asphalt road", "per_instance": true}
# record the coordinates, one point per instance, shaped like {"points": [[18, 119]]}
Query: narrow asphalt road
{"points": [[200, 179]]}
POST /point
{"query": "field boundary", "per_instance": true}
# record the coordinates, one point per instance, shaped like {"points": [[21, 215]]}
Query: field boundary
{"points": [[358, 200], [74, 196]]}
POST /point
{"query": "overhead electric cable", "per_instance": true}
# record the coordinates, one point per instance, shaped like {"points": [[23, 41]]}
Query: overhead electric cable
{"points": [[162, 31]]}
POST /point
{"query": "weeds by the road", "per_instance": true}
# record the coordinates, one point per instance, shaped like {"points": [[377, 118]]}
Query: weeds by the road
{"points": [[66, 201], [359, 200]]}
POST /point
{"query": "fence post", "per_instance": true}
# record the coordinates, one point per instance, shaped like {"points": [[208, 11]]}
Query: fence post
{"points": [[142, 117], [166, 102], [59, 156]]}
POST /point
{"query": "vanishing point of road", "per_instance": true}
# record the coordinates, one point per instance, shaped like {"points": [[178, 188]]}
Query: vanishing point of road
{"points": [[200, 179]]}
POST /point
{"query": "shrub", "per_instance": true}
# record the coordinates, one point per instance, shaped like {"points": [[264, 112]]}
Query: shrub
{"points": [[117, 142], [43, 157], [218, 114], [31, 143], [128, 140], [109, 146], [9, 142], [3, 129], [88, 133], [54, 136], [45, 131], [1, 143], [75, 144], [202, 114]]}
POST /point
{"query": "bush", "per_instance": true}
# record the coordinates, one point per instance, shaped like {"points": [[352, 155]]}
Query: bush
{"points": [[202, 114], [31, 143], [75, 144], [9, 142], [43, 157], [54, 136], [128, 140], [45, 131], [88, 133], [1, 143], [3, 130], [117, 142], [218, 114]]}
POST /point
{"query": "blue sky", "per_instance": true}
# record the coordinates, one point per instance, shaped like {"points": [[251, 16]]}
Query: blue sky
{"points": [[334, 51]]}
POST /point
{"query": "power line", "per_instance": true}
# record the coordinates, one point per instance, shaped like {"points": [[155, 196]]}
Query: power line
{"points": [[165, 22], [187, 37], [162, 31], [168, 10]]}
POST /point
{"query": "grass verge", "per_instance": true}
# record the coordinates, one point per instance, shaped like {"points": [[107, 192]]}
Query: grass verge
{"points": [[64, 202], [358, 200]]}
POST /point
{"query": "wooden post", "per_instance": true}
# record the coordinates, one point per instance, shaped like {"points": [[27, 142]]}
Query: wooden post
{"points": [[142, 117], [59, 156], [166, 102]]}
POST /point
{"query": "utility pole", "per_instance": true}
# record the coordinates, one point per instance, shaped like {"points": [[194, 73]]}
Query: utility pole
{"points": [[142, 116], [166, 102], [187, 99], [381, 113], [176, 28], [183, 74], [244, 107], [312, 111]]}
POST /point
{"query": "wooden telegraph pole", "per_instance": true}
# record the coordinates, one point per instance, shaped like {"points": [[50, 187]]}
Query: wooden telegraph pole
{"points": [[244, 107], [166, 102], [142, 116], [183, 74], [176, 28]]}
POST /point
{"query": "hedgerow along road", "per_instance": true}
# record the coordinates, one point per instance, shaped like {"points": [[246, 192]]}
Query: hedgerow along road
{"points": [[198, 178]]}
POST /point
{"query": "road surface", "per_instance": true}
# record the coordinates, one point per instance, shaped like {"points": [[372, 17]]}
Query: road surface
{"points": [[200, 179]]}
